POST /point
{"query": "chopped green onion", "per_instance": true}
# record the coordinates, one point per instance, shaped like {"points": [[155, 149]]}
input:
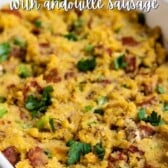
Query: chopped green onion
{"points": [[102, 100], [5, 50], [3, 111], [42, 123], [20, 42], [48, 153], [38, 23], [78, 23], [71, 36], [165, 108], [120, 62], [142, 114], [52, 125], [99, 150], [160, 89], [88, 108], [89, 48], [24, 71]]}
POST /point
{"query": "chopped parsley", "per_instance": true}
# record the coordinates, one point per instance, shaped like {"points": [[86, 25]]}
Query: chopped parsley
{"points": [[5, 50], [85, 65], [99, 111], [117, 30], [142, 114], [120, 62], [99, 150], [3, 111], [24, 71], [19, 42], [38, 23], [39, 105], [78, 23], [89, 48], [45, 123], [165, 108], [160, 89], [42, 123], [2, 99], [88, 108], [102, 100], [141, 18], [154, 119], [71, 36], [77, 149], [48, 153]]}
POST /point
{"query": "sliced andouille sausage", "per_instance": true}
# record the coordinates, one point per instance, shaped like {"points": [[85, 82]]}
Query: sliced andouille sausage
{"points": [[131, 61], [12, 155], [129, 41], [37, 157], [52, 76]]}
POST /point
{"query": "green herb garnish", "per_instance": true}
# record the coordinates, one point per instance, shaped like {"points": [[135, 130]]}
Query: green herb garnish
{"points": [[5, 50], [160, 89], [85, 65], [120, 62], [19, 42], [52, 125], [2, 99], [165, 108], [142, 114], [99, 111], [39, 105], [78, 23], [42, 123], [71, 36], [99, 150], [77, 149], [89, 48], [102, 100], [154, 119], [3, 111], [88, 108], [24, 71], [38, 23], [141, 18], [48, 153]]}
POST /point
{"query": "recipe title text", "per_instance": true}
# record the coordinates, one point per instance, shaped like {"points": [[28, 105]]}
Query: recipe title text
{"points": [[143, 5]]}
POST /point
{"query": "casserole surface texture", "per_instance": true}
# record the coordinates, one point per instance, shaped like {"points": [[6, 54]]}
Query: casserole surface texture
{"points": [[82, 90]]}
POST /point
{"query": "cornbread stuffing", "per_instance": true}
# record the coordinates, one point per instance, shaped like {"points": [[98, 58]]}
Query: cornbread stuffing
{"points": [[82, 90]]}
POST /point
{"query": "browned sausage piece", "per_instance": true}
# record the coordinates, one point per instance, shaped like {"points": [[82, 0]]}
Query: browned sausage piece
{"points": [[129, 41], [52, 76], [12, 155], [69, 75], [131, 61], [146, 131], [148, 101], [18, 53], [37, 157], [134, 149], [12, 12]]}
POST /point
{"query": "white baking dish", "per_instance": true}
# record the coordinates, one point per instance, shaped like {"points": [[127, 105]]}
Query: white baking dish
{"points": [[154, 18]]}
